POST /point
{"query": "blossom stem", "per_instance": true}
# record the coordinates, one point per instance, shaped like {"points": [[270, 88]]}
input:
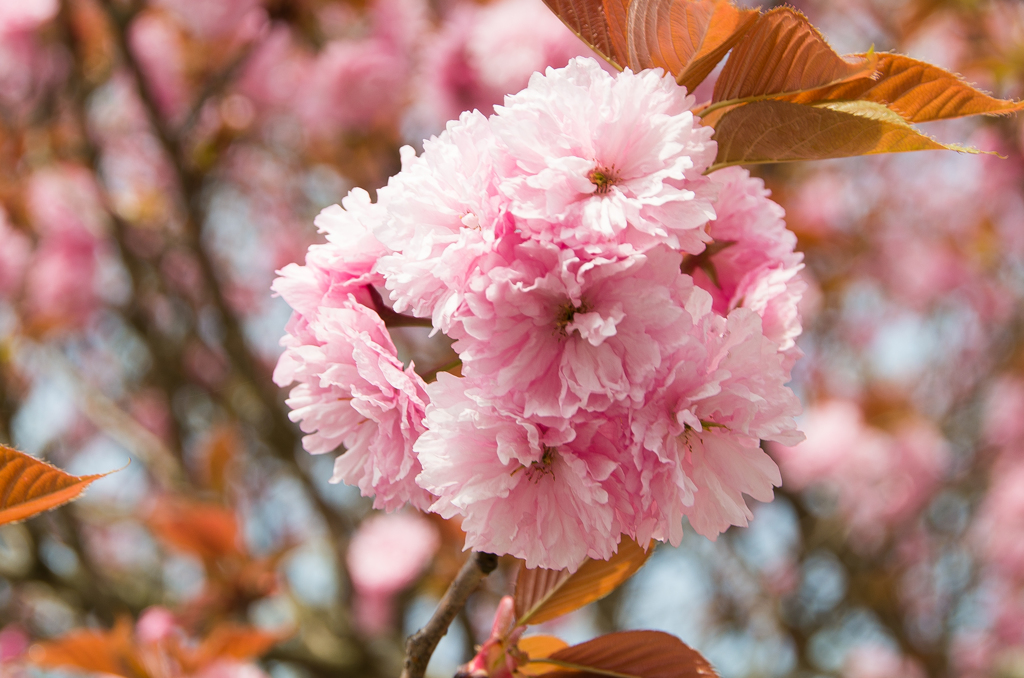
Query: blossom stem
{"points": [[421, 645]]}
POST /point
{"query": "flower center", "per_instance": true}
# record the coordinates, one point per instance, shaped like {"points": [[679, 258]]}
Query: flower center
{"points": [[566, 313], [538, 469], [542, 468], [602, 177]]}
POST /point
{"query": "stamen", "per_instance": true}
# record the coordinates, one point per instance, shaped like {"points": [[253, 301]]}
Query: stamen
{"points": [[604, 178]]}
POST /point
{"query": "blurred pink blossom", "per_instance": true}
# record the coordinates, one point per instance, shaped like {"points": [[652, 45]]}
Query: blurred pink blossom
{"points": [[156, 624], [999, 528], [159, 634], [212, 19], [482, 53], [881, 478], [64, 207], [361, 83], [354, 85], [387, 553], [1004, 416], [13, 643], [26, 15], [28, 65], [65, 198], [276, 71], [160, 50], [879, 661]]}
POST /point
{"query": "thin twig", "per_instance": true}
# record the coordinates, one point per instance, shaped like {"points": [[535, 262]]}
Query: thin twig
{"points": [[421, 645]]}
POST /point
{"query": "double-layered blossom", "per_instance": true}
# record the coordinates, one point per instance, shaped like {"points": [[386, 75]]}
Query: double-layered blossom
{"points": [[606, 164], [600, 392], [698, 434], [544, 494], [553, 335], [557, 491], [353, 391], [752, 262], [444, 217]]}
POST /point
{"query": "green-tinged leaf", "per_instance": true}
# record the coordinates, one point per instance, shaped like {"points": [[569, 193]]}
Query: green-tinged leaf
{"points": [[601, 24], [29, 486], [783, 54], [628, 654], [685, 37], [918, 91], [780, 131], [542, 594]]}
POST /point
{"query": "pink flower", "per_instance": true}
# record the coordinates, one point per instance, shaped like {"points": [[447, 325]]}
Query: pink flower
{"points": [[353, 390], [554, 335], [387, 554], [1004, 415], [15, 249], [65, 209], [752, 262], [1000, 526], [606, 164], [602, 395], [697, 436], [156, 624], [13, 643], [354, 85], [484, 52], [499, 656], [211, 19], [340, 267], [159, 641], [400, 23], [878, 661], [538, 493], [276, 71], [65, 198], [552, 490], [160, 50], [16, 17], [881, 478], [444, 218]]}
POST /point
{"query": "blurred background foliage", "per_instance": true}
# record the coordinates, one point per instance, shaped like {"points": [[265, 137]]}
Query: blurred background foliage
{"points": [[160, 159]]}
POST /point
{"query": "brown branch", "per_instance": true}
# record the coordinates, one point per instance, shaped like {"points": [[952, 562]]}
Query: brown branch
{"points": [[279, 430], [167, 356], [421, 645]]}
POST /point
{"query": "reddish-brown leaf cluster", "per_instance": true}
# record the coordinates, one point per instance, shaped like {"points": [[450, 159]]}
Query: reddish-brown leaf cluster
{"points": [[120, 652], [784, 94]]}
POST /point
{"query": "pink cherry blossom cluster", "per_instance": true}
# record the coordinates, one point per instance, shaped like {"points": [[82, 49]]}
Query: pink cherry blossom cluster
{"points": [[624, 325]]}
